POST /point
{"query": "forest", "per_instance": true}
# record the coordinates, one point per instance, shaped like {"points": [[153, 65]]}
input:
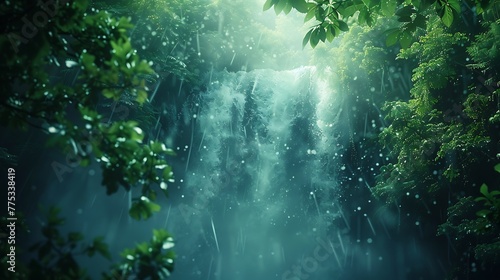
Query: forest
{"points": [[246, 133]]}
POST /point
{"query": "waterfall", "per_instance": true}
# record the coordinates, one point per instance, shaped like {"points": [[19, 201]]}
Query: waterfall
{"points": [[257, 193]]}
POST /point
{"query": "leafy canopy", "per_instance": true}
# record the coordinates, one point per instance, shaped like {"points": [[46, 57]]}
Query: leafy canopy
{"points": [[334, 17]]}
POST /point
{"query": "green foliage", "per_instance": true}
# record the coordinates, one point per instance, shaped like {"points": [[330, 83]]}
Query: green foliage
{"points": [[485, 53], [413, 137], [458, 137], [96, 44], [421, 134], [57, 254], [56, 77], [371, 58], [165, 32], [470, 233], [151, 260], [433, 53], [360, 51], [332, 16], [491, 201], [480, 231], [441, 129], [143, 208], [446, 133], [122, 145]]}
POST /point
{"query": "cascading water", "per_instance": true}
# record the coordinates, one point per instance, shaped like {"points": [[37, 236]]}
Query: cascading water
{"points": [[258, 189]]}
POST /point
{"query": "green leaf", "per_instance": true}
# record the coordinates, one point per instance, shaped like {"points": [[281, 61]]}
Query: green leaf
{"points": [[109, 93], [143, 209], [392, 37], [481, 198], [455, 5], [484, 190], [330, 33], [365, 17], [420, 21], [88, 58], [362, 17], [310, 14], [143, 248], [497, 168], [300, 5], [447, 16], [483, 213], [117, 48], [307, 37], [495, 193], [343, 26], [404, 19], [153, 207], [287, 8], [124, 23], [127, 47], [350, 10], [160, 235], [279, 6], [322, 34], [332, 14], [405, 40], [406, 11], [320, 13], [142, 96], [422, 5], [268, 5], [74, 237], [388, 7], [169, 152], [144, 68], [101, 247], [479, 9], [314, 38], [158, 147]]}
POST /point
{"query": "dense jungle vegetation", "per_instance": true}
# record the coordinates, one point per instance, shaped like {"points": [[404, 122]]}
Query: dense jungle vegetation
{"points": [[427, 72]]}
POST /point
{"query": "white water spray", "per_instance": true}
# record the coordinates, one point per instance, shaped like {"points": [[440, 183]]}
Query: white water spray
{"points": [[257, 129]]}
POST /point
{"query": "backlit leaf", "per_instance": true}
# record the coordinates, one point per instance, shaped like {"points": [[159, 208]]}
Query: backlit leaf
{"points": [[310, 14], [307, 37], [392, 37], [405, 40], [388, 7], [279, 6], [300, 5], [447, 16], [330, 34], [268, 5], [455, 5], [314, 38]]}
